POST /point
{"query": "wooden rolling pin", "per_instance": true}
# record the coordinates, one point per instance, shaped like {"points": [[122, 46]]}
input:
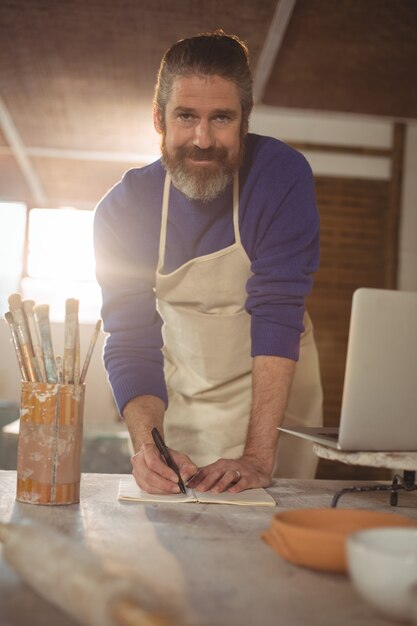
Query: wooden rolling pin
{"points": [[75, 580]]}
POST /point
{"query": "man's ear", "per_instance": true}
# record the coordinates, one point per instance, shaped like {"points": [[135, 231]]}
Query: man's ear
{"points": [[158, 121], [245, 126]]}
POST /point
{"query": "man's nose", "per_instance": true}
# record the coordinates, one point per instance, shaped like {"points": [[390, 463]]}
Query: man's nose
{"points": [[202, 135]]}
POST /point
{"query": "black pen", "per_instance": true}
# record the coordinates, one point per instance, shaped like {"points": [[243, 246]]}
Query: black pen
{"points": [[160, 444]]}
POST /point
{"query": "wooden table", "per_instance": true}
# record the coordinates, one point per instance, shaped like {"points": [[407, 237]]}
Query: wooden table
{"points": [[207, 563]]}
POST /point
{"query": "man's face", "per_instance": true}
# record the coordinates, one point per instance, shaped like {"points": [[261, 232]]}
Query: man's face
{"points": [[202, 138]]}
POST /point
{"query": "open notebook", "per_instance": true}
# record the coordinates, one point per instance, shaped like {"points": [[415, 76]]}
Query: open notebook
{"points": [[129, 490]]}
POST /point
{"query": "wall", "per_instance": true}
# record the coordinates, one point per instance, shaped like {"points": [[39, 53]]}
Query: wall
{"points": [[407, 277], [351, 130]]}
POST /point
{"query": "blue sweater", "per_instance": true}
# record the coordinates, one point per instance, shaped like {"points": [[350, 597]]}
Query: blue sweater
{"points": [[279, 227]]}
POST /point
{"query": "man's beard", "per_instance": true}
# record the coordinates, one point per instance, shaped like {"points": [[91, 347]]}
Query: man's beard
{"points": [[201, 182]]}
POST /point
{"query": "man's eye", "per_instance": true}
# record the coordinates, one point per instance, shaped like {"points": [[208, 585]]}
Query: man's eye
{"points": [[222, 119], [185, 117]]}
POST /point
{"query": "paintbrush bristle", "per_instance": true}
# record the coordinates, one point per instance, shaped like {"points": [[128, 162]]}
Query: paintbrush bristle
{"points": [[15, 301], [41, 311]]}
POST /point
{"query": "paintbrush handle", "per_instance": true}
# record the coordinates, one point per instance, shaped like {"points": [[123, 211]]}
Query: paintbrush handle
{"points": [[90, 352], [48, 351], [77, 355], [69, 357], [71, 320], [24, 342], [58, 364], [37, 348], [15, 341]]}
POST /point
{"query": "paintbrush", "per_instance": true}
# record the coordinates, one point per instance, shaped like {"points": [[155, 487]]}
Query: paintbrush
{"points": [[58, 364], [19, 319], [42, 317], [71, 318], [90, 352], [93, 591], [34, 335], [15, 340], [77, 354]]}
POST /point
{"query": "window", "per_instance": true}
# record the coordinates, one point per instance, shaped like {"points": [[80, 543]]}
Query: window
{"points": [[60, 262], [12, 241], [59, 258]]}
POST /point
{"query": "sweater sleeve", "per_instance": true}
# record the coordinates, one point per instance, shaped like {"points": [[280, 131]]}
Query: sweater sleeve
{"points": [[125, 250], [285, 253]]}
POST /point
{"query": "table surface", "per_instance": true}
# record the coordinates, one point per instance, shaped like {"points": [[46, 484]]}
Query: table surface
{"points": [[398, 461], [207, 560]]}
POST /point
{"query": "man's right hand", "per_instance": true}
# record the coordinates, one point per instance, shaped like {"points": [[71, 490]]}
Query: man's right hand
{"points": [[153, 475]]}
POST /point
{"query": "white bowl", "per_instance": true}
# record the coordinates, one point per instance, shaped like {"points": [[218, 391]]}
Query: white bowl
{"points": [[382, 563]]}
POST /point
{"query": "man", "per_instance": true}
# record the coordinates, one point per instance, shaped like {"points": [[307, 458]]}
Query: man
{"points": [[204, 259]]}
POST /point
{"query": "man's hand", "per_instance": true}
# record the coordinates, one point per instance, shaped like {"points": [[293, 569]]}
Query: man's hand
{"points": [[153, 475], [232, 475]]}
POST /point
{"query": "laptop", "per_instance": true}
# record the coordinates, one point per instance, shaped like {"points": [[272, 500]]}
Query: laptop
{"points": [[379, 401]]}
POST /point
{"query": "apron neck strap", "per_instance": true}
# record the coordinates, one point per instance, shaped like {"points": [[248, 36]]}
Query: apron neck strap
{"points": [[164, 220], [236, 208]]}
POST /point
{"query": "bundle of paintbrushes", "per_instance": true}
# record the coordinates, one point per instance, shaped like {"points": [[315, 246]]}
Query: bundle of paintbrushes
{"points": [[31, 336]]}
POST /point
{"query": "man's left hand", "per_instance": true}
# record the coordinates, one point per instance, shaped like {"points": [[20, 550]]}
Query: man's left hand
{"points": [[232, 475]]}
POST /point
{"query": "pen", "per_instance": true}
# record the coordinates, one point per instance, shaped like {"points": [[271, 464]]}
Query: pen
{"points": [[160, 444]]}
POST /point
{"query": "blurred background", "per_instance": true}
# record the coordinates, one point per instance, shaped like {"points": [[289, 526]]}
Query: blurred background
{"points": [[334, 79]]}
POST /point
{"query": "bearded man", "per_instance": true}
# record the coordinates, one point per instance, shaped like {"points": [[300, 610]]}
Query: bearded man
{"points": [[205, 259]]}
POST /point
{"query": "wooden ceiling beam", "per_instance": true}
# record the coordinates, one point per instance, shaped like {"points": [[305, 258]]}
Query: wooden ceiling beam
{"points": [[272, 45], [19, 152], [86, 155]]}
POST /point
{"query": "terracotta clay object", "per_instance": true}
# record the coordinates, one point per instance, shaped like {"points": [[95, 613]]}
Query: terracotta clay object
{"points": [[316, 538]]}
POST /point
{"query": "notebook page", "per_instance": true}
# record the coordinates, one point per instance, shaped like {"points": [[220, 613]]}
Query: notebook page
{"points": [[249, 497], [129, 490]]}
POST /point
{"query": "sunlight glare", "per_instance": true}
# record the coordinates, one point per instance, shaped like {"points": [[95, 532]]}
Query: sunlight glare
{"points": [[61, 244], [61, 262]]}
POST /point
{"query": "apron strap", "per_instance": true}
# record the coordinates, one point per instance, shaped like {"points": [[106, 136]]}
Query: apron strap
{"points": [[236, 208], [163, 233]]}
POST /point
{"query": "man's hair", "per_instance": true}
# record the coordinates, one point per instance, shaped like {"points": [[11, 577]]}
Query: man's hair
{"points": [[207, 54]]}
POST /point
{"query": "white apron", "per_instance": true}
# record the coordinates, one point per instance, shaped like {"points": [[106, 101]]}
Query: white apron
{"points": [[208, 365]]}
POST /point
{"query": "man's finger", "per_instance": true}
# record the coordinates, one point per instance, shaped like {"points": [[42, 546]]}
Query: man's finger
{"points": [[154, 483], [151, 472], [211, 479], [230, 477]]}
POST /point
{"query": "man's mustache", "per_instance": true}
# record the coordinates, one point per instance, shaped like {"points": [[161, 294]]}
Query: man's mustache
{"points": [[199, 154]]}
